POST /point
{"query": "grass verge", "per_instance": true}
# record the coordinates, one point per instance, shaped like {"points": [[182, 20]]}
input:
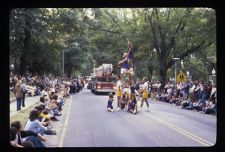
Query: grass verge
{"points": [[23, 115]]}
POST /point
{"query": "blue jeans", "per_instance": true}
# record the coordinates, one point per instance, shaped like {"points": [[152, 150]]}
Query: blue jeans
{"points": [[203, 98], [18, 103], [36, 141]]}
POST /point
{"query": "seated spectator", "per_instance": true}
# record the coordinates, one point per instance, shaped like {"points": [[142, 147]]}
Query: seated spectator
{"points": [[198, 105], [45, 117], [37, 91], [186, 104], [173, 100], [50, 109], [13, 138], [27, 144], [179, 101], [33, 124], [44, 92], [27, 136], [58, 102], [42, 117], [132, 105], [210, 108], [190, 104], [48, 112], [52, 104], [167, 98]]}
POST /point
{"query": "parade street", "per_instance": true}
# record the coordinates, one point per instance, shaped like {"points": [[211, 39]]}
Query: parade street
{"points": [[89, 124]]}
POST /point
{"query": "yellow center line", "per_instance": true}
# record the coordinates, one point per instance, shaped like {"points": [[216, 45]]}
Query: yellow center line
{"points": [[180, 130], [66, 123]]}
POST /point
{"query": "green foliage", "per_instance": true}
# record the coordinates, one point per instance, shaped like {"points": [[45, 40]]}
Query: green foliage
{"points": [[94, 36]]}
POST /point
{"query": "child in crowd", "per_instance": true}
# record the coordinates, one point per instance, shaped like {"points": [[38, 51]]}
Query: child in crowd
{"points": [[110, 101]]}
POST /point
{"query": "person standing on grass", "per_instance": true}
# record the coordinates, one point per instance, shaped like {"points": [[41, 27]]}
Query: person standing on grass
{"points": [[18, 94], [24, 92]]}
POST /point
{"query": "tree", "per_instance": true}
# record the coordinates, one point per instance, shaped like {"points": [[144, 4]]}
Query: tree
{"points": [[177, 33], [95, 36]]}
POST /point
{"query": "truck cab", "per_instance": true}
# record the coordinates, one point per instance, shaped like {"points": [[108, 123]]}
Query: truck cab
{"points": [[102, 79], [103, 85]]}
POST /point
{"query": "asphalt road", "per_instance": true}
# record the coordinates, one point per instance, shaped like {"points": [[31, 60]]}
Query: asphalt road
{"points": [[88, 124]]}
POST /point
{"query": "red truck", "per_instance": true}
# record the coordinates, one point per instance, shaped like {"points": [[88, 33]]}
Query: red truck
{"points": [[102, 80]]}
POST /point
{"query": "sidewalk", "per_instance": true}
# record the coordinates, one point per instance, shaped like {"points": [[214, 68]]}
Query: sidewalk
{"points": [[13, 99], [52, 140], [28, 102]]}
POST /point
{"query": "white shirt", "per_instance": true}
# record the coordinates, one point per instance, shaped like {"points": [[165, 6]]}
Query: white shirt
{"points": [[24, 87], [213, 90], [44, 93], [145, 86], [119, 85], [127, 90]]}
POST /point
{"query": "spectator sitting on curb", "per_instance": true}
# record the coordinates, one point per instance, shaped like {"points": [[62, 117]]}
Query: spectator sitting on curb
{"points": [[41, 116], [52, 104], [198, 105], [210, 107], [13, 138], [28, 136], [44, 104], [33, 124], [58, 102], [173, 100], [44, 92], [27, 144]]}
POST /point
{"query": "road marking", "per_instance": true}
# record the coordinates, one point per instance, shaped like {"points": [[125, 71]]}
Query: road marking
{"points": [[182, 131], [65, 125]]}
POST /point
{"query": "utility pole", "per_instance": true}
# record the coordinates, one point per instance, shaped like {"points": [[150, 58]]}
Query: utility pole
{"points": [[175, 76]]}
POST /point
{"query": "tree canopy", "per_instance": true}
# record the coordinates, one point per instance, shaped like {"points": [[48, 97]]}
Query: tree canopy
{"points": [[92, 36]]}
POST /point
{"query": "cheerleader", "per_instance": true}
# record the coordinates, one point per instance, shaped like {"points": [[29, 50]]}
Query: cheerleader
{"points": [[125, 98], [144, 92]]}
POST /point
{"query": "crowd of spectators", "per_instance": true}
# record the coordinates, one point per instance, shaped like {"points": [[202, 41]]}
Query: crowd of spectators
{"points": [[53, 93], [191, 95]]}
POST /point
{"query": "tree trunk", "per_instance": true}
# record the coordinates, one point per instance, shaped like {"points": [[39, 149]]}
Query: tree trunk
{"points": [[162, 73], [25, 50], [69, 71], [150, 71]]}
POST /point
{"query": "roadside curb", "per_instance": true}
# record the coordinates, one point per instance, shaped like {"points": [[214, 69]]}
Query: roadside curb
{"points": [[56, 140], [14, 99]]}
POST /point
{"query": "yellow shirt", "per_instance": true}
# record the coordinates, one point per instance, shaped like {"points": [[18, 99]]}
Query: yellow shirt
{"points": [[44, 115]]}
